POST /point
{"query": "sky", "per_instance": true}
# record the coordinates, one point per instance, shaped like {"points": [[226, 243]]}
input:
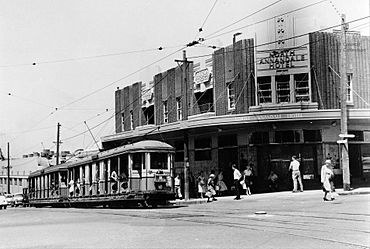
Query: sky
{"points": [[61, 61]]}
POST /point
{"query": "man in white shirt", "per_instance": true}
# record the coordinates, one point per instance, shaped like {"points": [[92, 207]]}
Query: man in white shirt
{"points": [[296, 174], [237, 177]]}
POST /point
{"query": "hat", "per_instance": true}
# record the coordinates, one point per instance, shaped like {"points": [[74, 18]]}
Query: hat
{"points": [[328, 161], [212, 175]]}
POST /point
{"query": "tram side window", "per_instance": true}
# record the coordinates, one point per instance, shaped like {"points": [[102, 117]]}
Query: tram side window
{"points": [[137, 161], [158, 161]]}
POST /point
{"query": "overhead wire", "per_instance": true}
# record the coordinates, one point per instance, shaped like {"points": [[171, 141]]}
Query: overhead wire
{"points": [[250, 15], [210, 37], [34, 63]]}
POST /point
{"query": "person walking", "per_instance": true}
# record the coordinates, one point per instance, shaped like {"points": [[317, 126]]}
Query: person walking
{"points": [[178, 187], [248, 174], [237, 177], [327, 176], [296, 174], [201, 185], [211, 192]]}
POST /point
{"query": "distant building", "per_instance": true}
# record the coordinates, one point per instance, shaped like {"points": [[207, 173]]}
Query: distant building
{"points": [[20, 168], [258, 105]]}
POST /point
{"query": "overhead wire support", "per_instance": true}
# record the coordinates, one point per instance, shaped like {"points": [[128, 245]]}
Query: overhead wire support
{"points": [[92, 136]]}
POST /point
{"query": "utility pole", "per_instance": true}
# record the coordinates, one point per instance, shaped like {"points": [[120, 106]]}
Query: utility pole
{"points": [[185, 64], [58, 142], [8, 169], [343, 124]]}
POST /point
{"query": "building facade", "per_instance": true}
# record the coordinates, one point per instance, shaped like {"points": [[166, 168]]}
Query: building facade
{"points": [[256, 105]]}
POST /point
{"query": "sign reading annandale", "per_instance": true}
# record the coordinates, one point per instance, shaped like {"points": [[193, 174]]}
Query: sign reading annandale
{"points": [[271, 62]]}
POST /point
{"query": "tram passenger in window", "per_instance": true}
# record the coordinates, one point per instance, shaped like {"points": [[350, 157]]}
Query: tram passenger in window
{"points": [[78, 187], [124, 182]]}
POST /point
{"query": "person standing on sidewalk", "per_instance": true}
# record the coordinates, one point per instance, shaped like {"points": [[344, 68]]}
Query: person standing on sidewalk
{"points": [[211, 192], [201, 185], [327, 176], [296, 174], [237, 177], [248, 174], [178, 187]]}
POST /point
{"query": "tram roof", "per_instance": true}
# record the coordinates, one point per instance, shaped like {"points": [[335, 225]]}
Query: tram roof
{"points": [[141, 146]]}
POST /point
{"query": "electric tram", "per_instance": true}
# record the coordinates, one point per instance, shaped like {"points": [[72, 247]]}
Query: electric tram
{"points": [[140, 173]]}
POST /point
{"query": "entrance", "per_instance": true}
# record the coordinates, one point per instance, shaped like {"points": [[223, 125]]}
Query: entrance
{"points": [[227, 156], [278, 157]]}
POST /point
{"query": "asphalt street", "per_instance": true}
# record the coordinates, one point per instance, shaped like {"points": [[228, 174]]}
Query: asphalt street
{"points": [[275, 220]]}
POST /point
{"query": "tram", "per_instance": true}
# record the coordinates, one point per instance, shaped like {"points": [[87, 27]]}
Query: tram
{"points": [[140, 174]]}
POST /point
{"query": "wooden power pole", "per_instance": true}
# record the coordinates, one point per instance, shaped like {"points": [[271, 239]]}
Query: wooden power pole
{"points": [[186, 86], [343, 127], [58, 142], [8, 169]]}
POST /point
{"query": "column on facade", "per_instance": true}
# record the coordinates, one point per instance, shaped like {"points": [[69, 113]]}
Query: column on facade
{"points": [[47, 186]]}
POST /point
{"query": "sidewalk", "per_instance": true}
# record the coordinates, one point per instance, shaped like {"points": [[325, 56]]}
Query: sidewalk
{"points": [[357, 191]]}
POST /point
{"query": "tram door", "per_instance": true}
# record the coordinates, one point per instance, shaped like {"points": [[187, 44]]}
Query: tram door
{"points": [[138, 163]]}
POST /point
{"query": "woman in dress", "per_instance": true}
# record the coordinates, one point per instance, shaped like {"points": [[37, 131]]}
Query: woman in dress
{"points": [[327, 176], [248, 174], [201, 185], [221, 186]]}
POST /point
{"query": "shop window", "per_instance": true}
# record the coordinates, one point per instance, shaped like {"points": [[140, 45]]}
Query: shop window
{"points": [[179, 108], [227, 141], [165, 112], [312, 135], [158, 161], [349, 88], [20, 182], [259, 138], [302, 90], [202, 149], [264, 90], [283, 88], [231, 96], [359, 136], [15, 181], [1, 180], [287, 137]]}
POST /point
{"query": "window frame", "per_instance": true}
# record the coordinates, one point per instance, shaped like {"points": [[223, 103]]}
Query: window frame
{"points": [[231, 96], [165, 111]]}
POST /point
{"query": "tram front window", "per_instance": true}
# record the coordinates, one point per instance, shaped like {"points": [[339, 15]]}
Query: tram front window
{"points": [[158, 161]]}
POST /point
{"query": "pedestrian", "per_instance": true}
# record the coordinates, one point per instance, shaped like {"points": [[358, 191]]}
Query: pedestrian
{"points": [[201, 185], [114, 179], [237, 178], [248, 174], [221, 186], [78, 187], [296, 174], [327, 176], [211, 192], [178, 187], [71, 187], [273, 181]]}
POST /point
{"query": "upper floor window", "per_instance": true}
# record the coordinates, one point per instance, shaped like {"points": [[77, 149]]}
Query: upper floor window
{"points": [[302, 90], [283, 88], [264, 90], [179, 108], [122, 120], [165, 112], [132, 120], [349, 88], [231, 96]]}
